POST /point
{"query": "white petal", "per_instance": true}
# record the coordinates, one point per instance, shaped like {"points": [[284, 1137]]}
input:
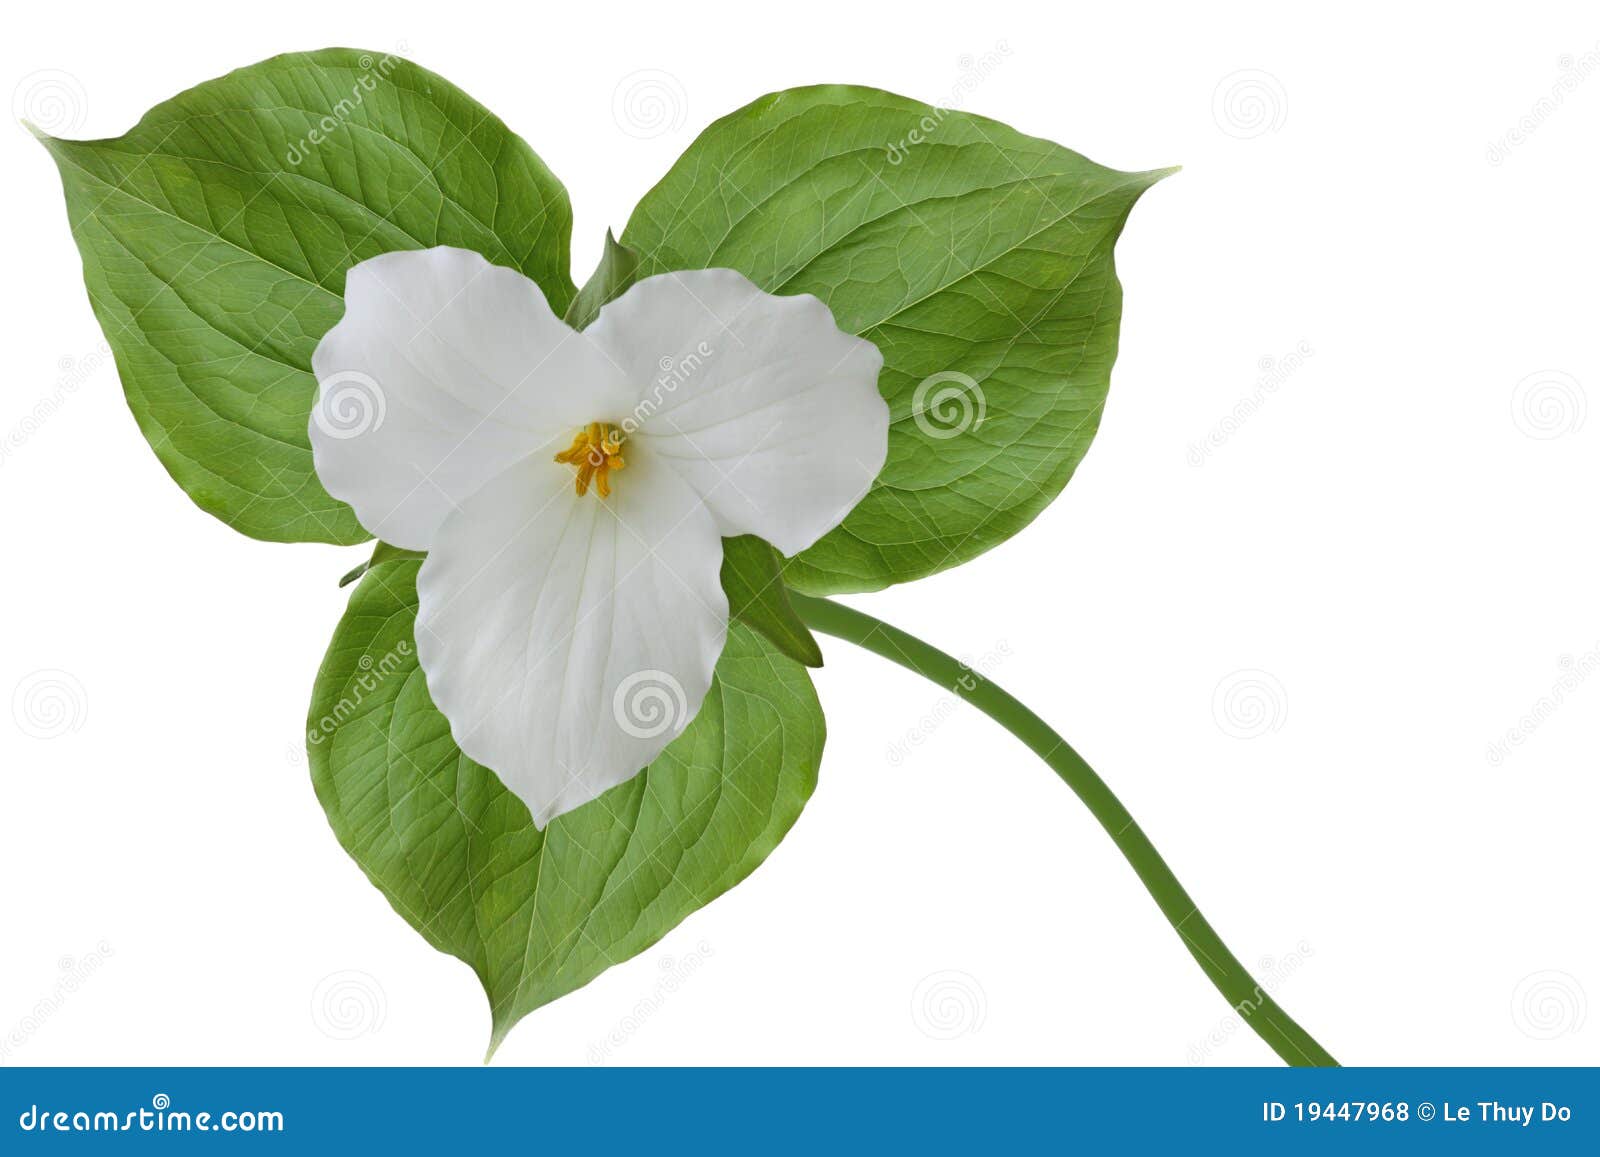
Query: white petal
{"points": [[569, 639], [760, 402], [444, 370]]}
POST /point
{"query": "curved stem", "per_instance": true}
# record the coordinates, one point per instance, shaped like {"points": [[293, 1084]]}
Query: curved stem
{"points": [[1238, 988]]}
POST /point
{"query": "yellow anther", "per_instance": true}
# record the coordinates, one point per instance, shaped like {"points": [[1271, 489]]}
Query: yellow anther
{"points": [[595, 452]]}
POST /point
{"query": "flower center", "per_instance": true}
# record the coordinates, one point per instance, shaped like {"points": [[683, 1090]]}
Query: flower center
{"points": [[595, 453]]}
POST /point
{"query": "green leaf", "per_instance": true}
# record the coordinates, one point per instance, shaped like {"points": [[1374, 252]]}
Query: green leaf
{"points": [[978, 260], [538, 914], [618, 269], [215, 237], [381, 553], [757, 597]]}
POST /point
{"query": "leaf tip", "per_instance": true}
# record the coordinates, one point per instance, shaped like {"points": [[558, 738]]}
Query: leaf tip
{"points": [[808, 652], [499, 1030]]}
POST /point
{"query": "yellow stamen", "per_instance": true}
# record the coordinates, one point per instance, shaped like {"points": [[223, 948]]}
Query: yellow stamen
{"points": [[596, 451]]}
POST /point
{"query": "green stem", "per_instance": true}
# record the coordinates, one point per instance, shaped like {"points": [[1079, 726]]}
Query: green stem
{"points": [[1222, 967]]}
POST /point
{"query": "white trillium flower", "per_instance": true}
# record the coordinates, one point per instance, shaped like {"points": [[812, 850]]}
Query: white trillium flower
{"points": [[572, 489]]}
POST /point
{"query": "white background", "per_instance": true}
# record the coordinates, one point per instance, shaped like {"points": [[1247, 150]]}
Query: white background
{"points": [[1395, 547]]}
